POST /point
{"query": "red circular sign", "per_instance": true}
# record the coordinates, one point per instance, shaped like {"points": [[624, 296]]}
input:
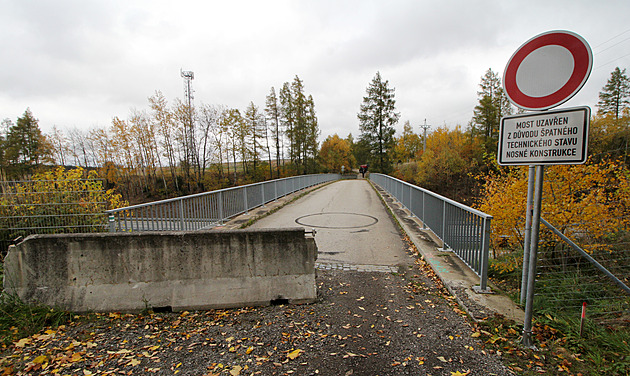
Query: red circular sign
{"points": [[567, 51]]}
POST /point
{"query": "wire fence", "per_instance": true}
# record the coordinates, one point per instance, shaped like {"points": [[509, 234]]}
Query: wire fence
{"points": [[566, 278], [50, 206]]}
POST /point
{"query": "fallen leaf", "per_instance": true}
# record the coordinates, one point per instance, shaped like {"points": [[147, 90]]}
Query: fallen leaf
{"points": [[294, 354], [40, 359], [123, 351], [442, 359], [463, 373], [23, 342], [134, 362], [236, 370]]}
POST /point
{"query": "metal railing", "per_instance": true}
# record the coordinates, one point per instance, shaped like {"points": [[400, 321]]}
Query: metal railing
{"points": [[50, 207], [209, 209], [462, 229]]}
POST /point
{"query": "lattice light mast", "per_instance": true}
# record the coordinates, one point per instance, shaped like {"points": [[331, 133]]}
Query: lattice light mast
{"points": [[188, 92], [189, 130], [425, 127]]}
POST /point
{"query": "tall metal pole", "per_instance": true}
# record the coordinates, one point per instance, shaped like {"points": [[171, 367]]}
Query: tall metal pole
{"points": [[533, 255], [189, 130], [528, 231], [425, 127]]}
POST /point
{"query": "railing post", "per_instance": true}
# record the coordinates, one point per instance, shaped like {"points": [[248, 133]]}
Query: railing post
{"points": [[181, 215], [275, 190], [485, 255], [411, 201], [112, 222], [220, 207], [262, 193], [444, 223], [424, 204], [245, 200]]}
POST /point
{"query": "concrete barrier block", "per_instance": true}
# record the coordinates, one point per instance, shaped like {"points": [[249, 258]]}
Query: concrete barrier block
{"points": [[169, 270]]}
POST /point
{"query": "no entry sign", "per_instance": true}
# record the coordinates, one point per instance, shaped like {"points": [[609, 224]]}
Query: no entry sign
{"points": [[547, 70]]}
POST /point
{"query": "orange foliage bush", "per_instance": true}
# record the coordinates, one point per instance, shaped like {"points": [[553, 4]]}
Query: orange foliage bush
{"points": [[586, 202]]}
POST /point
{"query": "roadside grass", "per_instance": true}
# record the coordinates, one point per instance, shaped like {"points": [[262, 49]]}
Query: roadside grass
{"points": [[19, 320], [559, 347], [602, 349]]}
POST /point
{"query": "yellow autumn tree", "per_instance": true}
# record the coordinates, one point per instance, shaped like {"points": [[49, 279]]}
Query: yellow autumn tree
{"points": [[334, 153], [587, 203], [56, 201], [610, 136], [408, 145], [451, 157]]}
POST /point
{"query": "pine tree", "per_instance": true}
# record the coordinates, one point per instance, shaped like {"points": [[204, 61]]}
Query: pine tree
{"points": [[311, 135], [287, 116], [613, 98], [377, 118], [273, 115], [298, 131], [4, 132], [493, 105], [26, 146], [254, 120], [299, 120]]}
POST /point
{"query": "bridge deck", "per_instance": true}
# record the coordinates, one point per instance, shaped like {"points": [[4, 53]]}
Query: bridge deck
{"points": [[352, 224]]}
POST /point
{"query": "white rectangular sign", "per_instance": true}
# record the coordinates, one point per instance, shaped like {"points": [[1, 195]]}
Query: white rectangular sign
{"points": [[545, 138]]}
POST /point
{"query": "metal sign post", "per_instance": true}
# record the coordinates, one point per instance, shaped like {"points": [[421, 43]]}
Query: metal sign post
{"points": [[528, 231], [533, 256], [543, 73]]}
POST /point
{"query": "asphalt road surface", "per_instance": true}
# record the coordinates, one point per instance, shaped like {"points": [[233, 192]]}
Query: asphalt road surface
{"points": [[351, 222]]}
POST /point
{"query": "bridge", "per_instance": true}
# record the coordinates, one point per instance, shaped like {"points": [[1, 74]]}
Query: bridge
{"points": [[354, 229], [377, 306]]}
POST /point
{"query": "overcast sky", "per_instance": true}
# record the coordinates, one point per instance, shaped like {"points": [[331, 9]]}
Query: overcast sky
{"points": [[77, 64]]}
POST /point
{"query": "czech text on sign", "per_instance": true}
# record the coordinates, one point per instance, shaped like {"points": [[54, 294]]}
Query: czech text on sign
{"points": [[545, 138]]}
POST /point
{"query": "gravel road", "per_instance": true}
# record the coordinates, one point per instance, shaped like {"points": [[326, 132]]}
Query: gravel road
{"points": [[364, 323]]}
